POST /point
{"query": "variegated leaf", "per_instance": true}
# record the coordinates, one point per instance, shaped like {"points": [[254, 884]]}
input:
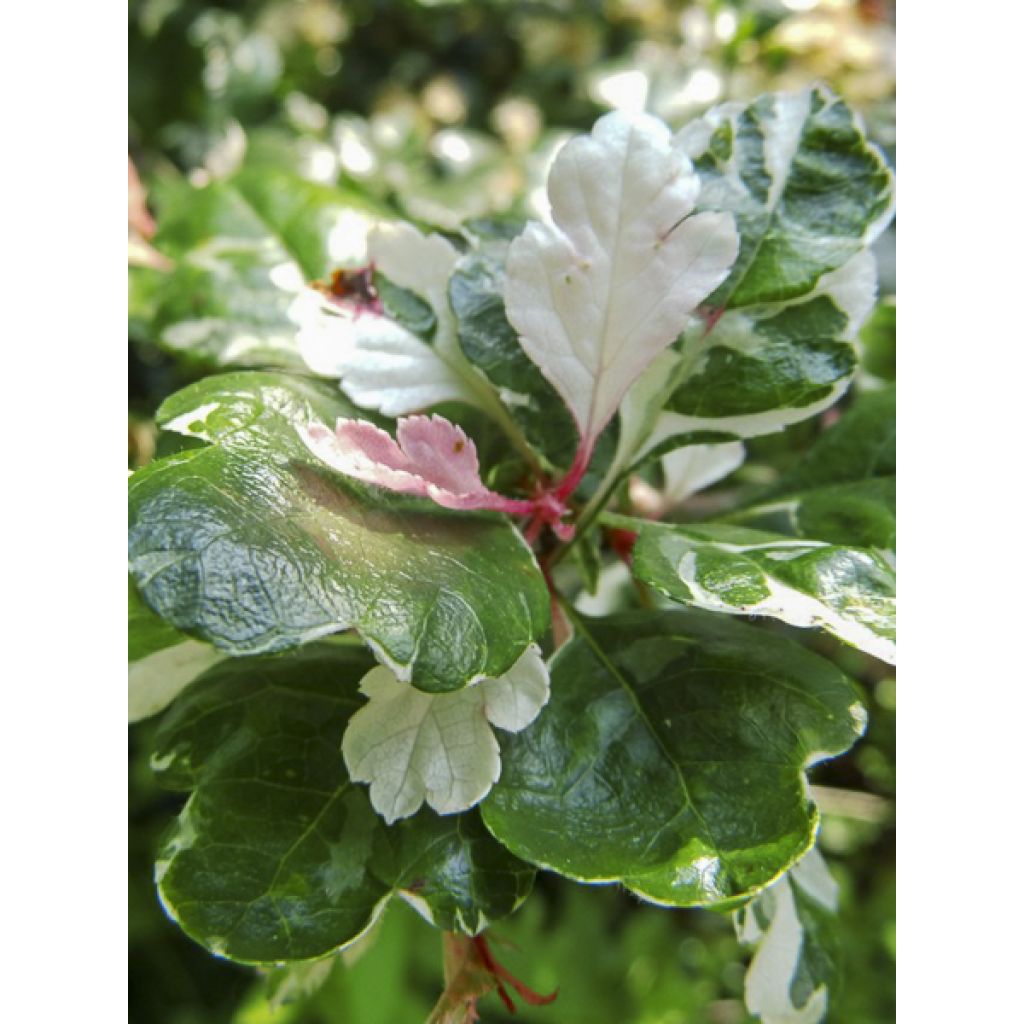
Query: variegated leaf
{"points": [[809, 195], [600, 292], [851, 592], [412, 746], [792, 923]]}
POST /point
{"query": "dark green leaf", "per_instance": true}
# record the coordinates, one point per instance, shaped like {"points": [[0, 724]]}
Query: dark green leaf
{"points": [[671, 757]]}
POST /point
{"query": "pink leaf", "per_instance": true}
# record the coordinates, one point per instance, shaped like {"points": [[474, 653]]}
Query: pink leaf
{"points": [[431, 458]]}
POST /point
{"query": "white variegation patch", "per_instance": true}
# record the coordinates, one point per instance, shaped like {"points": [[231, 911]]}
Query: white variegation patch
{"points": [[155, 680], [412, 746], [865, 624], [770, 977], [600, 292], [381, 365]]}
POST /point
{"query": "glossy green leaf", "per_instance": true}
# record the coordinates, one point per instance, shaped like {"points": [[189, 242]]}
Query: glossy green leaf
{"points": [[277, 855], [793, 925], [809, 195], [851, 592], [242, 247], [491, 344], [252, 544], [671, 757], [844, 489]]}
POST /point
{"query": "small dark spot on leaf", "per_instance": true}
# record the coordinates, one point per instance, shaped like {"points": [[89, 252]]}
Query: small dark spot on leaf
{"points": [[458, 446]]}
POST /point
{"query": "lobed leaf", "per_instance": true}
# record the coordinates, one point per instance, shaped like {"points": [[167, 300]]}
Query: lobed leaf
{"points": [[277, 855], [254, 545], [809, 194], [605, 288], [671, 757]]}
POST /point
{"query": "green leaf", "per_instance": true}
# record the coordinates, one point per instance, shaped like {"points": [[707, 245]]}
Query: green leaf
{"points": [[844, 489], [793, 923], [162, 661], [850, 592], [490, 343], [809, 195], [253, 545], [277, 855], [671, 757], [241, 248]]}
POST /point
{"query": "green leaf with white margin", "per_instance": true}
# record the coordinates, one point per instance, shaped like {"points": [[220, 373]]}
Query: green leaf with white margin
{"points": [[598, 293], [809, 194], [671, 757], [844, 489], [242, 249], [491, 344], [278, 856], [850, 592], [254, 545], [438, 747], [793, 924], [161, 660]]}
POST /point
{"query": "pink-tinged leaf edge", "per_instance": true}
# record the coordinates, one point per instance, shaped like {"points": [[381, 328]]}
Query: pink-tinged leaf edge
{"points": [[429, 457]]}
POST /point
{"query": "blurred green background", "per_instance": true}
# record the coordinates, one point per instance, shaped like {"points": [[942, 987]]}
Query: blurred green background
{"points": [[446, 111]]}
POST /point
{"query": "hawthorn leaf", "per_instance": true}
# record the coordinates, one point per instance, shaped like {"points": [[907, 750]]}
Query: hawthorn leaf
{"points": [[490, 343], [412, 746], [161, 660], [808, 190], [242, 248], [600, 292], [850, 592], [671, 757], [429, 457], [278, 856], [793, 925], [382, 364], [758, 370], [843, 490], [254, 545], [809, 195]]}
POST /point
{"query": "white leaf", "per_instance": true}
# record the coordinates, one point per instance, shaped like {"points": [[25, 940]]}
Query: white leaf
{"points": [[598, 294], [155, 680], [412, 746], [691, 469], [382, 365]]}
